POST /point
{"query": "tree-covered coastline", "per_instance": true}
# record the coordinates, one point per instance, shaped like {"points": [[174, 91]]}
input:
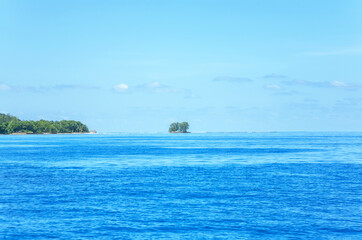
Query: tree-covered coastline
{"points": [[177, 127], [10, 125]]}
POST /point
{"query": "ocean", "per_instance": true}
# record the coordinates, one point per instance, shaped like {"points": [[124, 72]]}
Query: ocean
{"points": [[294, 185]]}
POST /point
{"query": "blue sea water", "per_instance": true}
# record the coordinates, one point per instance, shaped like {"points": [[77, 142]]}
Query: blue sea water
{"points": [[181, 186]]}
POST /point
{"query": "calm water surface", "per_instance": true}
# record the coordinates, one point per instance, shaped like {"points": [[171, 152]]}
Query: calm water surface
{"points": [[181, 186]]}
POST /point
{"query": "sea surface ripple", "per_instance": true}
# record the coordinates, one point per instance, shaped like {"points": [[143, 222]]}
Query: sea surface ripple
{"points": [[181, 186]]}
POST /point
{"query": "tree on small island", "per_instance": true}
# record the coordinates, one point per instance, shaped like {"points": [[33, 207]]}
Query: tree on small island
{"points": [[177, 127], [10, 124]]}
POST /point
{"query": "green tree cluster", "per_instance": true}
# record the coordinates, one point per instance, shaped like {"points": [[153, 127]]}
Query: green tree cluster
{"points": [[10, 124], [179, 127]]}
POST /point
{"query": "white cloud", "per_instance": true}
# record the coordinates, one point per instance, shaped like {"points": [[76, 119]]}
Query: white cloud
{"points": [[157, 87], [340, 52], [274, 75], [273, 86], [36, 89], [339, 84], [280, 90], [325, 84], [73, 86], [122, 87], [153, 87], [4, 86]]}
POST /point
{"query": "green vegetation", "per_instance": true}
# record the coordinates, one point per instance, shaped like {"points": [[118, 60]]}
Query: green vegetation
{"points": [[179, 127], [10, 124]]}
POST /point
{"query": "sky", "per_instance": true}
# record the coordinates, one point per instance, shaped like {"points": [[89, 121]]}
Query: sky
{"points": [[222, 66]]}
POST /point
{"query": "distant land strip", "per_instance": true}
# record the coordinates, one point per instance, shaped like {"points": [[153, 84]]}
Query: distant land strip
{"points": [[13, 125]]}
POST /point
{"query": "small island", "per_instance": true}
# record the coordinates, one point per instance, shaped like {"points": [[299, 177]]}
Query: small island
{"points": [[177, 127], [13, 125]]}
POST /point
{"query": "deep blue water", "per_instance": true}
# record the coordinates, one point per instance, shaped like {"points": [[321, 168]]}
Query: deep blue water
{"points": [[181, 186]]}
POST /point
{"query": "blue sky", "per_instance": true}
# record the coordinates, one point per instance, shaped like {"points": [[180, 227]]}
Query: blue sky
{"points": [[137, 66]]}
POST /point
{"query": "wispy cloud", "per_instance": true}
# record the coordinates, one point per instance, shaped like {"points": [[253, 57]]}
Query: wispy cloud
{"points": [[153, 87], [59, 87], [157, 87], [340, 52], [73, 86], [273, 86], [232, 79], [324, 84], [121, 88], [4, 86], [349, 102], [274, 76], [280, 90]]}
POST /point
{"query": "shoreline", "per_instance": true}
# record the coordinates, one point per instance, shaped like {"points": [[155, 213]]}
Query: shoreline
{"points": [[14, 134]]}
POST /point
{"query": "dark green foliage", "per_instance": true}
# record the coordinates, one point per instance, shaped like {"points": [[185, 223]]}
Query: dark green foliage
{"points": [[10, 124], [179, 127], [184, 126], [3, 129], [6, 118], [174, 127]]}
